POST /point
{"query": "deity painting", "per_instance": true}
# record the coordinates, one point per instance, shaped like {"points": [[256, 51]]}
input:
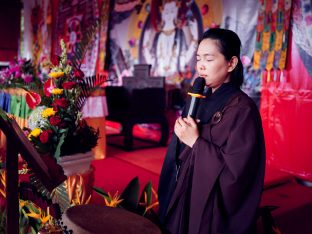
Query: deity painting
{"points": [[169, 38]]}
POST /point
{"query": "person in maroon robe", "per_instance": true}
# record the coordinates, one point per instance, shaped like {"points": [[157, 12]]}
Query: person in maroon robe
{"points": [[212, 177]]}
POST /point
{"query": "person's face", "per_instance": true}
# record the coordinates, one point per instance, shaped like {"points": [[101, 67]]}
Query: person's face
{"points": [[212, 65], [170, 12]]}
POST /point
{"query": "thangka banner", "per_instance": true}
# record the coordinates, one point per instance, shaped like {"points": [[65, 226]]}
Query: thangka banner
{"points": [[161, 33], [243, 21], [241, 17], [103, 36], [73, 22], [302, 31], [37, 30], [272, 35]]}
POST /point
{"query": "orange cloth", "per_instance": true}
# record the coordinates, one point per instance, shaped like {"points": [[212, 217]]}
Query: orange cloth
{"points": [[94, 113], [99, 123]]}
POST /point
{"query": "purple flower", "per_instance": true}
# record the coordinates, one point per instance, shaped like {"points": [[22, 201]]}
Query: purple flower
{"points": [[21, 61], [5, 74], [28, 78], [18, 74]]}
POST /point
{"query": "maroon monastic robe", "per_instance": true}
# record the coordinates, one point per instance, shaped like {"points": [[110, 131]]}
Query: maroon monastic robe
{"points": [[220, 180]]}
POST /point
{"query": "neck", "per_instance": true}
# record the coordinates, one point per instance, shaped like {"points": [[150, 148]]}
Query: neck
{"points": [[169, 26]]}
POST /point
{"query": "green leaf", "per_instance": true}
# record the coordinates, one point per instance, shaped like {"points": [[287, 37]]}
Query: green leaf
{"points": [[59, 145], [63, 131], [100, 192], [60, 196], [148, 190], [130, 195]]}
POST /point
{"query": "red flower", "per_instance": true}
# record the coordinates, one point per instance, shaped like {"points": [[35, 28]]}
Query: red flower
{"points": [[68, 84], [44, 136], [48, 87], [61, 102], [32, 99], [55, 59], [55, 120], [78, 74]]}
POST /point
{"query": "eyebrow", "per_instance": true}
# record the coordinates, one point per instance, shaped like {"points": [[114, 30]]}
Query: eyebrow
{"points": [[205, 55]]}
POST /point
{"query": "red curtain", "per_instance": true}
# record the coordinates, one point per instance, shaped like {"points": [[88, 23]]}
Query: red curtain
{"points": [[286, 110]]}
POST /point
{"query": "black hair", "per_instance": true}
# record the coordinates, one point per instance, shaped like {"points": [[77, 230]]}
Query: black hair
{"points": [[229, 45]]}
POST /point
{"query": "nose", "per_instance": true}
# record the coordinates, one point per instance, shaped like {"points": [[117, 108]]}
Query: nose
{"points": [[201, 67]]}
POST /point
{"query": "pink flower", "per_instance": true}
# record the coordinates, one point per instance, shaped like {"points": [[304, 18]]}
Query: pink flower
{"points": [[21, 61], [28, 78], [48, 87], [18, 74]]}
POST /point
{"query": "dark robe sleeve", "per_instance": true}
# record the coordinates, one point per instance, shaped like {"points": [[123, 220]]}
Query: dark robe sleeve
{"points": [[228, 162], [167, 178]]}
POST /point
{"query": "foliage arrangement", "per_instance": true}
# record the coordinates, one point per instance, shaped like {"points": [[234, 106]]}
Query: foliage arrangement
{"points": [[56, 126], [130, 200], [21, 73]]}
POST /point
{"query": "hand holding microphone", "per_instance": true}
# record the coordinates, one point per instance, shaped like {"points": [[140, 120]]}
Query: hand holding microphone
{"points": [[196, 94], [185, 127]]}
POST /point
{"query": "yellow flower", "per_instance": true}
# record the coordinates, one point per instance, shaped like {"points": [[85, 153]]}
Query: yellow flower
{"points": [[56, 75], [42, 216], [57, 91], [152, 205], [46, 113], [35, 133], [113, 201], [22, 203]]}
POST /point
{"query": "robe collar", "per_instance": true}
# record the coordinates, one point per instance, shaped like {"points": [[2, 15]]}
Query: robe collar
{"points": [[215, 101]]}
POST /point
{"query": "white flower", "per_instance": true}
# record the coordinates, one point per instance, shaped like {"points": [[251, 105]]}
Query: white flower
{"points": [[36, 120]]}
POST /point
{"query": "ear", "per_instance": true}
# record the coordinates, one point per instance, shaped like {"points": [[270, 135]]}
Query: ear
{"points": [[232, 63]]}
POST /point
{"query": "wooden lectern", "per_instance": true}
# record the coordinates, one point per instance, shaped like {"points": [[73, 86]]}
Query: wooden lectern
{"points": [[46, 168]]}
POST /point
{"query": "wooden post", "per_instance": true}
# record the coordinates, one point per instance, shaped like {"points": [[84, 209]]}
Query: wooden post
{"points": [[12, 224]]}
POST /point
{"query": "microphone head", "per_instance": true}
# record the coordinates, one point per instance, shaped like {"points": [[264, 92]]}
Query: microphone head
{"points": [[198, 86]]}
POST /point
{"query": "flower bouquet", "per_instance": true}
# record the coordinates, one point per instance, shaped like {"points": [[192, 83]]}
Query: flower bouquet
{"points": [[55, 125], [21, 73]]}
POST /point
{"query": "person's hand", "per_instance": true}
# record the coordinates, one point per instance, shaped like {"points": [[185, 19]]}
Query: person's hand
{"points": [[186, 130]]}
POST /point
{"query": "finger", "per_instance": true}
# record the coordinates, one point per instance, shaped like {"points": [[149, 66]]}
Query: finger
{"points": [[182, 122], [178, 121], [191, 121]]}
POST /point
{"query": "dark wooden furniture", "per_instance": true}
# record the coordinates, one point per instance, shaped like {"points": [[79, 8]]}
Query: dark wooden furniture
{"points": [[141, 99], [47, 170]]}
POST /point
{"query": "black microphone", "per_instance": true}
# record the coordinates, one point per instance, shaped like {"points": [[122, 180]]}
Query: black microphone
{"points": [[196, 94]]}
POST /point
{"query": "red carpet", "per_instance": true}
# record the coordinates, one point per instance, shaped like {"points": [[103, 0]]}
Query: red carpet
{"points": [[280, 189], [116, 171]]}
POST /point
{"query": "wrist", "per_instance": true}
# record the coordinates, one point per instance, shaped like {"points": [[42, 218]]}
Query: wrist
{"points": [[192, 143]]}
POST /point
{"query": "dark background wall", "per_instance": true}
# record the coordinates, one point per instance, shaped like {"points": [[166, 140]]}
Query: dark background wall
{"points": [[10, 11]]}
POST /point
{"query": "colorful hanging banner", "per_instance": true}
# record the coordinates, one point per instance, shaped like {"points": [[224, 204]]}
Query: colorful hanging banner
{"points": [[37, 30], [272, 35], [75, 22], [103, 36]]}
